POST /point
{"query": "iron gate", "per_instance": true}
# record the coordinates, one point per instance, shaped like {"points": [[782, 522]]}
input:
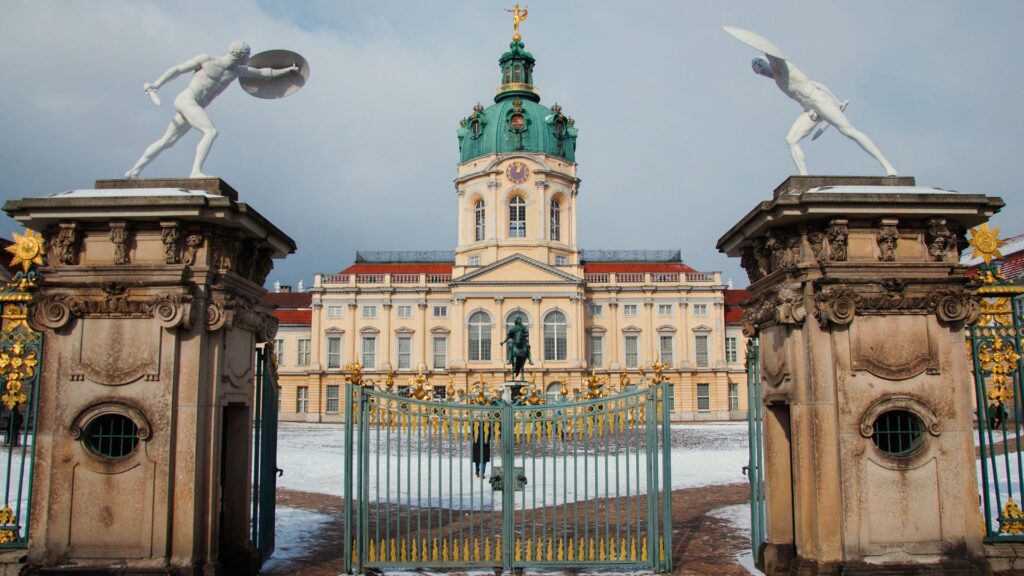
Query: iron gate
{"points": [[582, 483], [264, 454], [755, 465]]}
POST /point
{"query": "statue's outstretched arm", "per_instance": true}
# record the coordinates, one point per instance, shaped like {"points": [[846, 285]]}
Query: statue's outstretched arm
{"points": [[175, 71], [250, 72]]}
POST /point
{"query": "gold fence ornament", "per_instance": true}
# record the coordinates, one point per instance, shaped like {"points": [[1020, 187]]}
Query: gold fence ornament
{"points": [[1012, 519]]}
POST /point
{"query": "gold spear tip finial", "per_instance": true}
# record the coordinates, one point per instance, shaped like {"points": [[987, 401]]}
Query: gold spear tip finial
{"points": [[517, 17]]}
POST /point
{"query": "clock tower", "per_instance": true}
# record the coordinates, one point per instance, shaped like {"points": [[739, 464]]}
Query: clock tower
{"points": [[517, 181]]}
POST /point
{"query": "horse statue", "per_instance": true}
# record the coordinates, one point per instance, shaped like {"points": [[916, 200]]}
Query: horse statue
{"points": [[517, 353]]}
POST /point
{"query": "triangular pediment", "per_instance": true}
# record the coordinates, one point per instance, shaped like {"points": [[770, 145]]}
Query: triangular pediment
{"points": [[518, 269]]}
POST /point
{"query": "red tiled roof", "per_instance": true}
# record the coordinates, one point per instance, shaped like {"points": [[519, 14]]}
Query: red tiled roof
{"points": [[289, 299], [733, 311], [1013, 266], [408, 268], [636, 267], [303, 317]]}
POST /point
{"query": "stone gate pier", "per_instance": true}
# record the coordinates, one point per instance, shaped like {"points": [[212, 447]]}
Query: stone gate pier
{"points": [[151, 310], [859, 302]]}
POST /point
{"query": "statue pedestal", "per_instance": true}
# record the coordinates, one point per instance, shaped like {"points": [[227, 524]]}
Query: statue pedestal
{"points": [[859, 302], [151, 310]]}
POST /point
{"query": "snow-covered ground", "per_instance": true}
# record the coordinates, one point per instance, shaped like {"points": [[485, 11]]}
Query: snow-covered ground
{"points": [[312, 457], [738, 517], [294, 535]]}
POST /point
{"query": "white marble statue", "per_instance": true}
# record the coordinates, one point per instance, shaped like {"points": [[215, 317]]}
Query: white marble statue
{"points": [[818, 101], [211, 75]]}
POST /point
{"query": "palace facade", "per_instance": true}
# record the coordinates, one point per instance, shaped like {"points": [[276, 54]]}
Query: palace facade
{"points": [[445, 313]]}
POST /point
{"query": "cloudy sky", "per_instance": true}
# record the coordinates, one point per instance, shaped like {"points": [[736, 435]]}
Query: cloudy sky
{"points": [[678, 138]]}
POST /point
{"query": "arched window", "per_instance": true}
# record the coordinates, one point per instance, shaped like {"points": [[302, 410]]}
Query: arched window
{"points": [[480, 336], [517, 218], [479, 214], [511, 319], [554, 336], [556, 220]]}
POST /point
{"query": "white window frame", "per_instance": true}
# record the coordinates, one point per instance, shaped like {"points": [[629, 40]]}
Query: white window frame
{"points": [[332, 402], [369, 311], [595, 350], [335, 311], [407, 354], [630, 310], [302, 399], [664, 310], [474, 260], [556, 336], [732, 349], [667, 353], [404, 311], [279, 351], [480, 221], [368, 349], [635, 361], [706, 398], [734, 396], [302, 348], [517, 217], [440, 310], [700, 309], [333, 352], [595, 310], [701, 357], [561, 260], [443, 354], [481, 351], [556, 221]]}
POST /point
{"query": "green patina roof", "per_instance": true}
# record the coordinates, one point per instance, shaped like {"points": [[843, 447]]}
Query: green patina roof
{"points": [[517, 122]]}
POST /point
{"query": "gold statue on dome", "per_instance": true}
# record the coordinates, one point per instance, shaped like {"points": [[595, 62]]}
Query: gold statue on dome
{"points": [[517, 17]]}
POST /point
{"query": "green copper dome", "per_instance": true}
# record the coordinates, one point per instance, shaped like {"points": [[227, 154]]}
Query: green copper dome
{"points": [[517, 122]]}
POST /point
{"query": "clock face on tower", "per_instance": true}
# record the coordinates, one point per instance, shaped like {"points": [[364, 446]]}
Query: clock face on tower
{"points": [[517, 172]]}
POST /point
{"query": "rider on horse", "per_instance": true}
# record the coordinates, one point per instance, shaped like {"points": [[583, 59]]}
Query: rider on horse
{"points": [[517, 353]]}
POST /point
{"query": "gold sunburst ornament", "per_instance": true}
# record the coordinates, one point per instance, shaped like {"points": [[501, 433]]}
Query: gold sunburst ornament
{"points": [[27, 250], [986, 243]]}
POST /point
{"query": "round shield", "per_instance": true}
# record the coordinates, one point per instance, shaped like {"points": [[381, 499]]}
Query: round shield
{"points": [[755, 41], [282, 85]]}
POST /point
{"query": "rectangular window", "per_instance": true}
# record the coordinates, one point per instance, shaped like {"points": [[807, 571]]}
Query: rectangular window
{"points": [[703, 397], [594, 309], [279, 351], [301, 399], [664, 309], [404, 352], [370, 311], [517, 218], [440, 392], [666, 349], [403, 390], [700, 309], [334, 351], [701, 347], [734, 396], [404, 311], [302, 356], [632, 347], [440, 352], [369, 356], [335, 311], [629, 310], [561, 260], [440, 311], [596, 351], [731, 355], [333, 398], [672, 397], [474, 260]]}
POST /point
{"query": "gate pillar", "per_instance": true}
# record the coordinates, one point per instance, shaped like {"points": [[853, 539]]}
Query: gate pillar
{"points": [[859, 303], [151, 304]]}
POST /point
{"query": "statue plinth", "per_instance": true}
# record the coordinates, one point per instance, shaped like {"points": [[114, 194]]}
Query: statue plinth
{"points": [[860, 302], [151, 308]]}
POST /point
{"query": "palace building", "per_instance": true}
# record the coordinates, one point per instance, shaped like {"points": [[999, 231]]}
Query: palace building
{"points": [[612, 313]]}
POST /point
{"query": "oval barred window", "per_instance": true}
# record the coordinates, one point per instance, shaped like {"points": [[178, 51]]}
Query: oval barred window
{"points": [[112, 435], [898, 432]]}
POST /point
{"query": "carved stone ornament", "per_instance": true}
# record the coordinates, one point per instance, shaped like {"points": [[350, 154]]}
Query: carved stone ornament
{"points": [[120, 236], [940, 239], [193, 242], [170, 235], [55, 310], [232, 311], [783, 305], [838, 239], [66, 243], [838, 305], [887, 238], [816, 238]]}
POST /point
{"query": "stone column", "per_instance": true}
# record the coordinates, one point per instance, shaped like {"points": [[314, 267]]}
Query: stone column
{"points": [[150, 318], [860, 308], [614, 336]]}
